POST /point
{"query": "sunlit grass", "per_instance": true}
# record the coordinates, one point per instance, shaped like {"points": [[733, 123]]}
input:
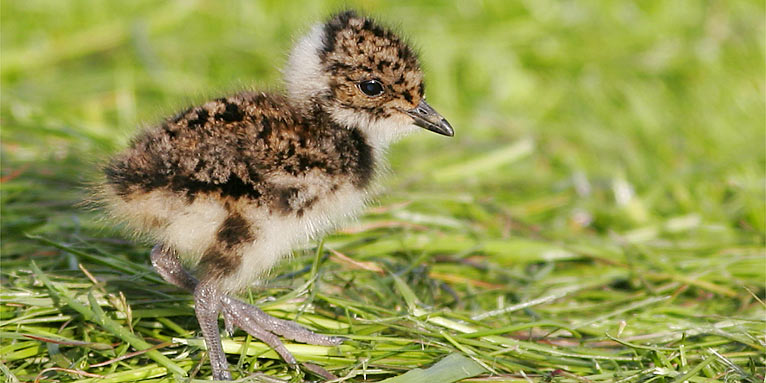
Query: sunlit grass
{"points": [[598, 217]]}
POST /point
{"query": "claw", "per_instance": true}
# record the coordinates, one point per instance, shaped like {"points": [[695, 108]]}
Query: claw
{"points": [[228, 324]]}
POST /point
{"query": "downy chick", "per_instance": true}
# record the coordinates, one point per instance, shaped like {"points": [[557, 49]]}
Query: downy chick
{"points": [[226, 189]]}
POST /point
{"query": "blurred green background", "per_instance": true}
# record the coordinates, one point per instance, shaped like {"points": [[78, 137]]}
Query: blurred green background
{"points": [[666, 98], [623, 141]]}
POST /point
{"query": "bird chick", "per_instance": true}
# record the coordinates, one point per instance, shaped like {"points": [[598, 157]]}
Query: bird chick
{"points": [[226, 189]]}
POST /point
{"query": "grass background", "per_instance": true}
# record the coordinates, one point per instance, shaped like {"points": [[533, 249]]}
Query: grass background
{"points": [[599, 215]]}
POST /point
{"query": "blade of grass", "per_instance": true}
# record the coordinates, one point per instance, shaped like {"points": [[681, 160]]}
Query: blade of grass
{"points": [[693, 372], [9, 376], [95, 314], [487, 162], [452, 368]]}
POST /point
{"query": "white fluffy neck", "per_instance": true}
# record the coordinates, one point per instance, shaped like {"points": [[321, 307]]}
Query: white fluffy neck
{"points": [[303, 75], [379, 133]]}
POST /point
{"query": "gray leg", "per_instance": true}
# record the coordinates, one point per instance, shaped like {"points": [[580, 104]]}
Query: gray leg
{"points": [[209, 303], [170, 269]]}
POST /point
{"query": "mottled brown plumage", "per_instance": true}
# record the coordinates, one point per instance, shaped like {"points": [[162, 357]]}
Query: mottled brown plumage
{"points": [[227, 188], [231, 146]]}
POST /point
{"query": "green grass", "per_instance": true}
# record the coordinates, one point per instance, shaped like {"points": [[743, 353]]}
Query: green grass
{"points": [[599, 216]]}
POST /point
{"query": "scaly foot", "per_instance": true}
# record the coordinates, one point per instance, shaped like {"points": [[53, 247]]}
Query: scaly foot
{"points": [[264, 327]]}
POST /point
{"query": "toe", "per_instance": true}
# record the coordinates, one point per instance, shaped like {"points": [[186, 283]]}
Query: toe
{"points": [[240, 312], [228, 324], [311, 367]]}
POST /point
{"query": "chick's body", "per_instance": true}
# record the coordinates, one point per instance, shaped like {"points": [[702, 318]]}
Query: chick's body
{"points": [[227, 188], [234, 184]]}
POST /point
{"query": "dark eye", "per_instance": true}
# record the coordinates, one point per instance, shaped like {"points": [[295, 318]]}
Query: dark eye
{"points": [[371, 88]]}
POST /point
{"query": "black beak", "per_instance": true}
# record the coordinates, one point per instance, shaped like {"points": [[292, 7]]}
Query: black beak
{"points": [[427, 118]]}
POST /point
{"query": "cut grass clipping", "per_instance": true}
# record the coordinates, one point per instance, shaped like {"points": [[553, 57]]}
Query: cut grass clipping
{"points": [[598, 216]]}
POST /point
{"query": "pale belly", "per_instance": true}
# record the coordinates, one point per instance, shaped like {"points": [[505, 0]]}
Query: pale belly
{"points": [[279, 234], [192, 227]]}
